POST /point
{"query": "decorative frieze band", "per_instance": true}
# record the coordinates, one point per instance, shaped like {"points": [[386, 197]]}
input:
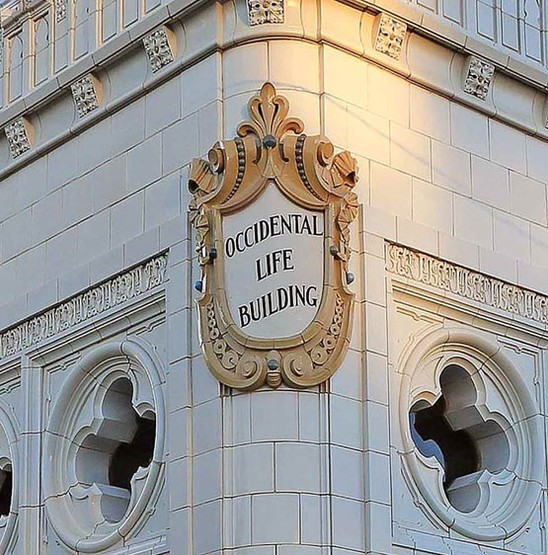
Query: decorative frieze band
{"points": [[467, 283], [85, 306]]}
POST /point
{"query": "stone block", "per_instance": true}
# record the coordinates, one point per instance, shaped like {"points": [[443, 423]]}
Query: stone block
{"points": [[430, 114], [206, 426], [432, 206], [304, 76], [274, 416], [512, 236], [347, 473], [451, 168], [528, 198], [252, 469], [298, 467], [346, 422], [473, 221], [93, 237], [127, 219], [201, 84], [469, 130], [206, 522], [345, 77], [207, 476], [245, 69], [349, 524], [275, 518], [163, 107], [490, 183], [410, 151], [162, 201], [388, 95], [507, 146], [391, 190]]}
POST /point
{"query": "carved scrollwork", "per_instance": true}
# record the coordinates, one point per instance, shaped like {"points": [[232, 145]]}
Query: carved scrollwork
{"points": [[273, 158]]}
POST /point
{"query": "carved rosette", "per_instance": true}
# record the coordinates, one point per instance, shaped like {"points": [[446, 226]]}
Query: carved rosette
{"points": [[18, 135], [390, 36], [273, 152], [478, 78], [85, 93], [159, 49]]}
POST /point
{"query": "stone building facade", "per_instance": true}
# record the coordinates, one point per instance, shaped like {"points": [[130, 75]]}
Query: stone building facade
{"points": [[120, 432]]}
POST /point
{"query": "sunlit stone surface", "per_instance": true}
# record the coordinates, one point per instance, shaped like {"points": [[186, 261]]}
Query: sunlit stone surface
{"points": [[114, 435]]}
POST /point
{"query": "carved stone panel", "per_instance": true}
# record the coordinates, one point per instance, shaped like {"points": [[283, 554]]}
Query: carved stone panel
{"points": [[272, 210], [86, 94], [159, 48], [19, 137], [478, 78], [265, 11], [390, 35]]}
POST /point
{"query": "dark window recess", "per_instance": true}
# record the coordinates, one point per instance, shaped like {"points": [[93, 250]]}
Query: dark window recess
{"points": [[454, 432], [128, 457], [6, 486]]}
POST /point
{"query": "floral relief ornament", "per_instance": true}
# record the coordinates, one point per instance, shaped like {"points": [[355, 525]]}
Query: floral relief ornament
{"points": [[60, 10], [478, 78], [85, 95], [158, 48], [265, 11], [390, 36], [18, 137], [273, 158]]}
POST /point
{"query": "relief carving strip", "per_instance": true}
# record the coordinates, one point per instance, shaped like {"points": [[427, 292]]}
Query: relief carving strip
{"points": [[93, 302], [469, 284]]}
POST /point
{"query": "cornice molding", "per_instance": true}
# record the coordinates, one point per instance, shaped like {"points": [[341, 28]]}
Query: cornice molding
{"points": [[469, 284], [83, 307]]}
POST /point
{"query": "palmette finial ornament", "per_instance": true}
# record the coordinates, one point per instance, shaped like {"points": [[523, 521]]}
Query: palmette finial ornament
{"points": [[273, 210]]}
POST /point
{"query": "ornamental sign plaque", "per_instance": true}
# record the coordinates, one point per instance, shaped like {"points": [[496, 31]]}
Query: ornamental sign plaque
{"points": [[272, 210]]}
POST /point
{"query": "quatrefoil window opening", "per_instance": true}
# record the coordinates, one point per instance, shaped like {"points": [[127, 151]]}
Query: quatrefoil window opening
{"points": [[464, 442], [123, 444]]}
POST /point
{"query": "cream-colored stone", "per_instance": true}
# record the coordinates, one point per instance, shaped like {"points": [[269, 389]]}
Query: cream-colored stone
{"points": [[341, 23], [469, 130], [345, 76], [507, 146], [490, 183], [430, 114], [451, 168], [302, 76], [432, 206], [512, 236], [388, 95], [390, 190], [473, 221], [412, 233], [410, 151], [528, 198]]}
